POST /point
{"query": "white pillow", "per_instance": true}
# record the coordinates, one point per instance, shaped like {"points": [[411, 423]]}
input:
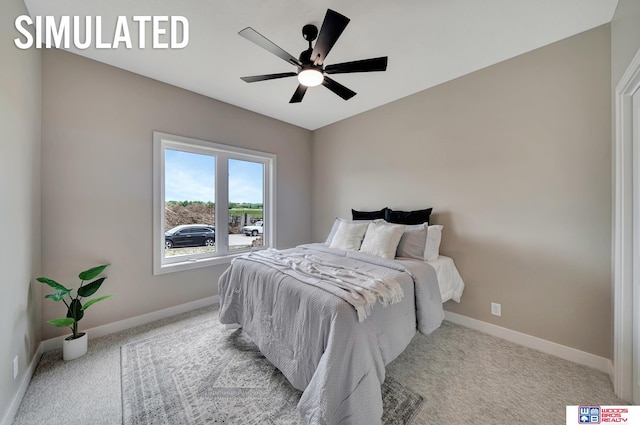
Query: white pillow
{"points": [[336, 224], [348, 235], [332, 232], [382, 239], [432, 248]]}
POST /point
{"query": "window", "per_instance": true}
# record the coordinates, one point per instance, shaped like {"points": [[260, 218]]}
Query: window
{"points": [[211, 202]]}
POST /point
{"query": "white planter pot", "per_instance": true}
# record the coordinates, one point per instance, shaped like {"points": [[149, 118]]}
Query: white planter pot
{"points": [[74, 348]]}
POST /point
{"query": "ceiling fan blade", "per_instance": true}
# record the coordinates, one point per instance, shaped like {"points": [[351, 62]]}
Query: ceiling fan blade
{"points": [[338, 88], [254, 78], [332, 26], [262, 41], [299, 94], [365, 65]]}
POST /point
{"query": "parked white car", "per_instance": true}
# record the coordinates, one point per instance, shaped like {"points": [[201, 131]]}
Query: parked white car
{"points": [[254, 230]]}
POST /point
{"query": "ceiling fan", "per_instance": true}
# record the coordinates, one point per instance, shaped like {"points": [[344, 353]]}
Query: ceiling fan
{"points": [[311, 70]]}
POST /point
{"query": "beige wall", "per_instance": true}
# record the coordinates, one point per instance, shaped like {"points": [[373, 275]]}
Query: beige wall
{"points": [[625, 37], [516, 161], [97, 180], [20, 205]]}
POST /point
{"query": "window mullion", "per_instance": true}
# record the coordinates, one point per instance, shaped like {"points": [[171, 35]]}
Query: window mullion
{"points": [[269, 203], [222, 203]]}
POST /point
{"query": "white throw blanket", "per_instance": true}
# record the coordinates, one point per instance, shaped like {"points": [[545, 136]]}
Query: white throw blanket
{"points": [[357, 287]]}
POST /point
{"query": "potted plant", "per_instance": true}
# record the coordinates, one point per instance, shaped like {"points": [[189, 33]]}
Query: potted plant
{"points": [[75, 345]]}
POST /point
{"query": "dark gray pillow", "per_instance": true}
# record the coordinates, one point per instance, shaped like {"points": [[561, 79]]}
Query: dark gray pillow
{"points": [[368, 215], [408, 217]]}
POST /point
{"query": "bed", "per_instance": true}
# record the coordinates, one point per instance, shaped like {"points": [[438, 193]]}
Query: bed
{"points": [[334, 347]]}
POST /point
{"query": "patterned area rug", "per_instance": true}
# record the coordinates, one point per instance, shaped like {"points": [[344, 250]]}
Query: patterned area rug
{"points": [[206, 374]]}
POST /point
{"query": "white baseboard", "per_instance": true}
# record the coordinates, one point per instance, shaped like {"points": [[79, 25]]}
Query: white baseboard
{"points": [[53, 343], [109, 328], [586, 359], [22, 389], [581, 357]]}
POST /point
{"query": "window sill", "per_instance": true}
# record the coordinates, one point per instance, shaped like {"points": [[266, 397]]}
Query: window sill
{"points": [[190, 264]]}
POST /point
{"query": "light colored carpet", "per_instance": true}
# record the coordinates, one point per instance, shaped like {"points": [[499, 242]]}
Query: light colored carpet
{"points": [[205, 374], [463, 375]]}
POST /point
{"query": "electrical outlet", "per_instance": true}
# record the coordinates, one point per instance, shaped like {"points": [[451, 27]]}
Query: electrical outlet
{"points": [[15, 367], [496, 309]]}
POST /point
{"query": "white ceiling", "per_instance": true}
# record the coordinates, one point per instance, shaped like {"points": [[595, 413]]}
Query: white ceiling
{"points": [[428, 42]]}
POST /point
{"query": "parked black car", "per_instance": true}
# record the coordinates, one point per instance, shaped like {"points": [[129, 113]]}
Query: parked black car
{"points": [[190, 235]]}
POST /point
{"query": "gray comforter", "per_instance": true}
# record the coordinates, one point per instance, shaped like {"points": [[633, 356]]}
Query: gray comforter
{"points": [[315, 338]]}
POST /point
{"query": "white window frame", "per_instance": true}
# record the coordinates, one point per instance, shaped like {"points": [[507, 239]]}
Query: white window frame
{"points": [[222, 154]]}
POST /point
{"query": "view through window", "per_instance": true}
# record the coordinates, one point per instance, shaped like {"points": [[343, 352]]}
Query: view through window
{"points": [[189, 195], [246, 206], [213, 199]]}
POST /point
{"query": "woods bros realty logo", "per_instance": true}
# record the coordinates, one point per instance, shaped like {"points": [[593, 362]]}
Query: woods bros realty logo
{"points": [[157, 32], [603, 414]]}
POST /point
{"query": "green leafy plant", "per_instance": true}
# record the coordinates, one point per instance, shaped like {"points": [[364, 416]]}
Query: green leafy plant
{"points": [[75, 306]]}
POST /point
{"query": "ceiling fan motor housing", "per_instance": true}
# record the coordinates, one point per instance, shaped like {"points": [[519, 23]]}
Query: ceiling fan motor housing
{"points": [[305, 57]]}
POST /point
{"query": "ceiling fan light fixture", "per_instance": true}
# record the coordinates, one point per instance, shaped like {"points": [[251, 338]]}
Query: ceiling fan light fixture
{"points": [[310, 77]]}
